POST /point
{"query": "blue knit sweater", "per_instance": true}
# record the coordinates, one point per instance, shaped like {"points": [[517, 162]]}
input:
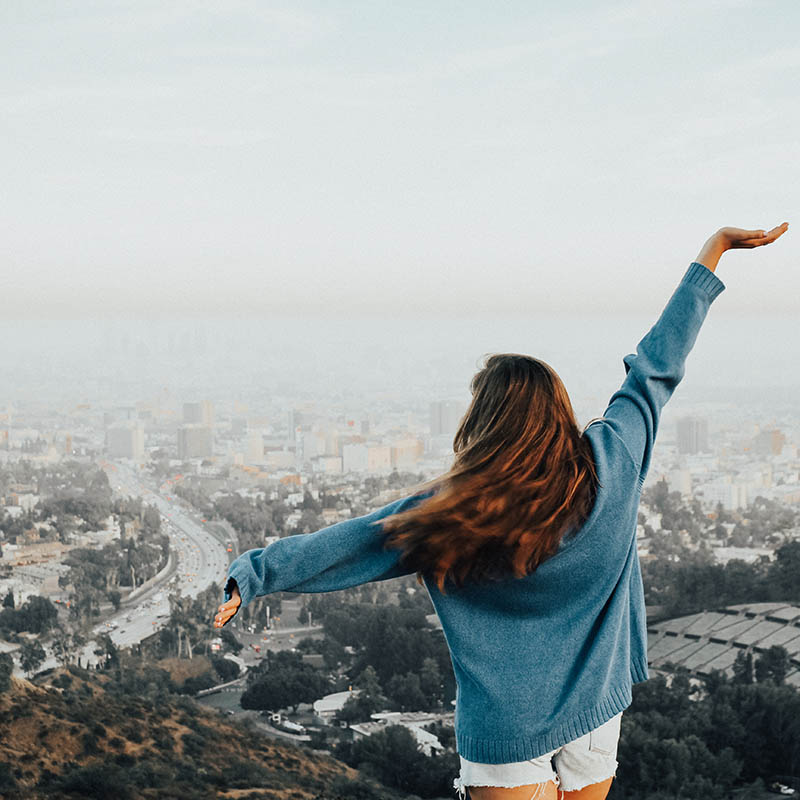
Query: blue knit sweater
{"points": [[544, 659]]}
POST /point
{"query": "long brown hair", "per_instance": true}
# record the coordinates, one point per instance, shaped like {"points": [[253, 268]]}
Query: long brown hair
{"points": [[523, 476]]}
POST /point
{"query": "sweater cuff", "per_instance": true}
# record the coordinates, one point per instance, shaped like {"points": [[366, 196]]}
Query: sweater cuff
{"points": [[701, 276], [244, 588]]}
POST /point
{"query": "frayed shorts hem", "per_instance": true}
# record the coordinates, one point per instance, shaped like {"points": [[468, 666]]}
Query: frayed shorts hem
{"points": [[461, 788], [589, 783]]}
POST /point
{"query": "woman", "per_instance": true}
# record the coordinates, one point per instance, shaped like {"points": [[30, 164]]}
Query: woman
{"points": [[527, 547]]}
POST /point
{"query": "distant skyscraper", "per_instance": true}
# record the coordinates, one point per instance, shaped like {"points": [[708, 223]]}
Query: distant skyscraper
{"points": [[769, 442], [125, 440], [445, 416], [255, 447], [692, 435], [195, 441], [198, 413], [406, 452]]}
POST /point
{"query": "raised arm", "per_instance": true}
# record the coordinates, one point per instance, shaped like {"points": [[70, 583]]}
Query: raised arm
{"points": [[345, 554], [658, 365]]}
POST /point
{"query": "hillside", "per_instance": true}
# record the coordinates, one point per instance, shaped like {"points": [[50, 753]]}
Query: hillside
{"points": [[74, 733]]}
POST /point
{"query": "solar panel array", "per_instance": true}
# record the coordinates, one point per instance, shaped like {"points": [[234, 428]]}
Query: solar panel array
{"points": [[711, 639]]}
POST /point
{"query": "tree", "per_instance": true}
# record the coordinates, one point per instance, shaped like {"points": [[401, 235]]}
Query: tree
{"points": [[37, 615], [230, 641], [107, 650], [6, 669], [31, 656], [393, 756], [286, 683], [743, 668], [658, 496], [430, 682], [772, 665], [8, 600], [367, 701], [406, 692], [786, 573], [62, 647]]}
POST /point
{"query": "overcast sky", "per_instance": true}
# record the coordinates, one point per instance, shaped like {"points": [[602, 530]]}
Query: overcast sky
{"points": [[339, 157]]}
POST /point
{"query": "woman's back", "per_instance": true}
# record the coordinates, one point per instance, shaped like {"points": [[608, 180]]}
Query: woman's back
{"points": [[543, 659]]}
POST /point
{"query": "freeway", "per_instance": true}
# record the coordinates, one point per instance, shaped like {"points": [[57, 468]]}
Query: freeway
{"points": [[200, 559]]}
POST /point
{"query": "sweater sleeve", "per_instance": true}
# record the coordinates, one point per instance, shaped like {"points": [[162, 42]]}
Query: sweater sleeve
{"points": [[342, 555], [658, 365]]}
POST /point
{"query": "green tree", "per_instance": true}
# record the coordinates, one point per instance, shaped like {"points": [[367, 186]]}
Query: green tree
{"points": [[107, 650], [31, 656], [6, 669], [391, 756], [394, 757], [287, 682], [430, 682], [37, 615], [405, 691], [230, 641], [772, 665], [743, 668], [369, 699], [62, 647]]}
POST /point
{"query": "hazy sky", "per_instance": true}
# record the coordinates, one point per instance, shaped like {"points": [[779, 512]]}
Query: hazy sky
{"points": [[252, 157]]}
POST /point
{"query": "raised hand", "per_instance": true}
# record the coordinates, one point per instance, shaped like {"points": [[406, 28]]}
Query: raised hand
{"points": [[734, 239], [228, 609]]}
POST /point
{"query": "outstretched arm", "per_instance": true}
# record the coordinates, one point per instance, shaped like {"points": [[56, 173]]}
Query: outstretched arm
{"points": [[345, 554], [658, 365]]}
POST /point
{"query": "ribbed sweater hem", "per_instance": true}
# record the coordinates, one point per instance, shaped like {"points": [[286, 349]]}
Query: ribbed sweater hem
{"points": [[639, 671], [522, 748], [701, 276]]}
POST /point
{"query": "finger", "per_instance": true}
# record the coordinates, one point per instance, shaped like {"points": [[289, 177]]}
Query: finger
{"points": [[739, 234], [770, 236], [222, 617], [777, 231]]}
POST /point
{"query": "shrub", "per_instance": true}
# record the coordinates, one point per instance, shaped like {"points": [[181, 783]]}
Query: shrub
{"points": [[100, 780]]}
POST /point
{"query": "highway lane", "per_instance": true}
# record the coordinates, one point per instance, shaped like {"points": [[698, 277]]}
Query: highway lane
{"points": [[201, 560]]}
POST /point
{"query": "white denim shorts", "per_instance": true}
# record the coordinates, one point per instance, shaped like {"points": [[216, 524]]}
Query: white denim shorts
{"points": [[591, 758]]}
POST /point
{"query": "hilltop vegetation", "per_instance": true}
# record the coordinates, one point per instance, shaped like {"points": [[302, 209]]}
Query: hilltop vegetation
{"points": [[78, 733]]}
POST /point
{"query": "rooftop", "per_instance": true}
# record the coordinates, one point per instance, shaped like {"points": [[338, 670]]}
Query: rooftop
{"points": [[710, 640]]}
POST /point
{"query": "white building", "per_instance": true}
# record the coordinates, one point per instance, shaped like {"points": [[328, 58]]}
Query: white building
{"points": [[354, 458], [331, 465], [328, 706], [680, 480], [254, 452], [732, 494], [125, 440]]}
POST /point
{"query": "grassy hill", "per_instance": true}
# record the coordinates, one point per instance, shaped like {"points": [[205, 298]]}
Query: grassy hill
{"points": [[77, 733]]}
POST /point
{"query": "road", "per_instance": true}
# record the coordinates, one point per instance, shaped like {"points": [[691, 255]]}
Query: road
{"points": [[201, 560]]}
